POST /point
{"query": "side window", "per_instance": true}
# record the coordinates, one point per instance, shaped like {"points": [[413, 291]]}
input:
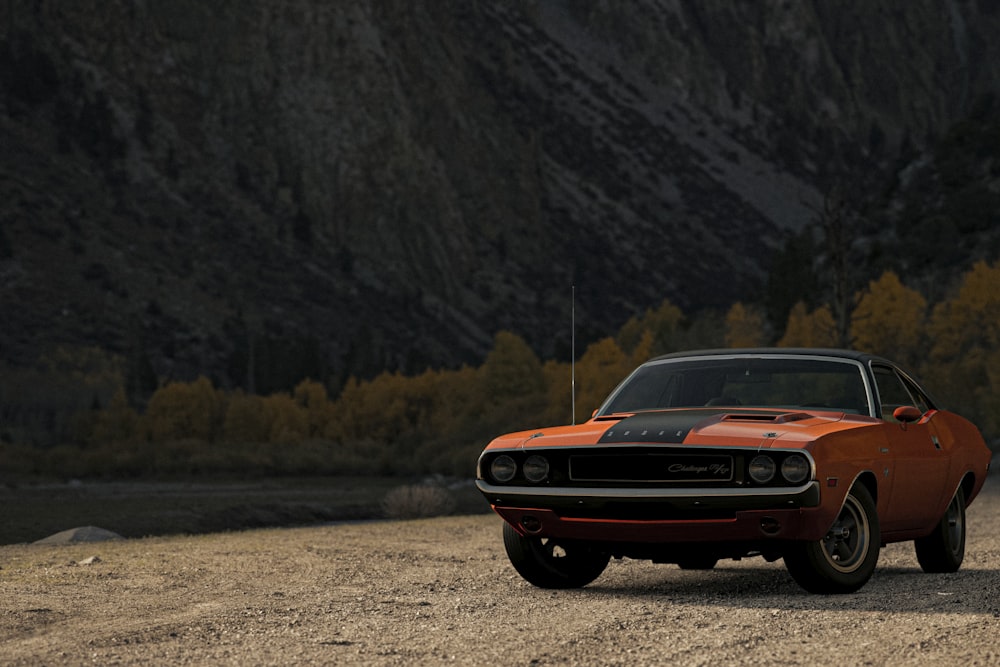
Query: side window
{"points": [[920, 400], [892, 392]]}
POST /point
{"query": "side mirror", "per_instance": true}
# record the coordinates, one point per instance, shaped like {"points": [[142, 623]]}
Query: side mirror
{"points": [[906, 414]]}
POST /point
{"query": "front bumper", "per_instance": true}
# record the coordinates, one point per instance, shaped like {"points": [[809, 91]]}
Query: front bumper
{"points": [[658, 515]]}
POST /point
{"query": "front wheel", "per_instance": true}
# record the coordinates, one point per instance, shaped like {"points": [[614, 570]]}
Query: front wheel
{"points": [[550, 564], [844, 560], [944, 549]]}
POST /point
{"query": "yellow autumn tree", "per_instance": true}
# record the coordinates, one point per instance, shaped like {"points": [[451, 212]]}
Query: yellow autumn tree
{"points": [[642, 352], [558, 392], [805, 329], [373, 411], [970, 320], [511, 368], [245, 420], [890, 320], [182, 410], [745, 326], [436, 405], [117, 422], [450, 427], [599, 370], [964, 364], [663, 324], [311, 396], [287, 420], [345, 411], [513, 383], [453, 399]]}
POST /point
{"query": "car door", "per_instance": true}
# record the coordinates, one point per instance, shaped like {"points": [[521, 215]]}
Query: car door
{"points": [[914, 457]]}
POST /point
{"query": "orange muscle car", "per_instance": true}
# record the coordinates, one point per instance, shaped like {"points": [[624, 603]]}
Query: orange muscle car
{"points": [[819, 457]]}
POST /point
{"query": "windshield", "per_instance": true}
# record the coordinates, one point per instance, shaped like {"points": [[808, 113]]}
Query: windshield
{"points": [[783, 382]]}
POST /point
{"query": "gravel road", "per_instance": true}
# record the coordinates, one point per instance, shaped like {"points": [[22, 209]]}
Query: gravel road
{"points": [[441, 591]]}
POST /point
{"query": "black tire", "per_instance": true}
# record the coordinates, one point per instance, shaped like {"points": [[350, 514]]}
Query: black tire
{"points": [[548, 564], [697, 563], [844, 560], [944, 549]]}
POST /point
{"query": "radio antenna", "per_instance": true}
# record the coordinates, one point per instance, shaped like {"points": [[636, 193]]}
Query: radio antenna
{"points": [[572, 382]]}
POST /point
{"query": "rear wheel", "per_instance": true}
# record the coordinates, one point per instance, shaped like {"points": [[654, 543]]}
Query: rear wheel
{"points": [[944, 549], [550, 564], [844, 560]]}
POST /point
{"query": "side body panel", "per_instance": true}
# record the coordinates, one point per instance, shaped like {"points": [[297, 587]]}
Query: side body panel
{"points": [[919, 465]]}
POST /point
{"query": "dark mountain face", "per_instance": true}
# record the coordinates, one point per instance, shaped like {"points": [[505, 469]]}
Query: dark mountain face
{"points": [[332, 188]]}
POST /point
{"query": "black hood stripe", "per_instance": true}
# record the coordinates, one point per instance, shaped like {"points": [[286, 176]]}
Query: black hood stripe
{"points": [[670, 426]]}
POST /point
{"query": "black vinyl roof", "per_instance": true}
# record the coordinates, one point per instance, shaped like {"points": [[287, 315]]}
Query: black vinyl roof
{"points": [[789, 351]]}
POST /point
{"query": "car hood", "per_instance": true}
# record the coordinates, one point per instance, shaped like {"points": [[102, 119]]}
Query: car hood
{"points": [[700, 426]]}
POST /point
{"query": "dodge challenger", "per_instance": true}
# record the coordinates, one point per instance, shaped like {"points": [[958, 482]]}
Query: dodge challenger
{"points": [[817, 457]]}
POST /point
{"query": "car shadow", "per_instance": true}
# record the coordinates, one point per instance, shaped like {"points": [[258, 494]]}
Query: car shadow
{"points": [[896, 589]]}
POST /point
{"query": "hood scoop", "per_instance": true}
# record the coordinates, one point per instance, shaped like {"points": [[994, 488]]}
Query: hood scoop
{"points": [[763, 418]]}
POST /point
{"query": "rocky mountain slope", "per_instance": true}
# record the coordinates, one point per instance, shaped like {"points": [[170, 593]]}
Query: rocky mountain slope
{"points": [[263, 190]]}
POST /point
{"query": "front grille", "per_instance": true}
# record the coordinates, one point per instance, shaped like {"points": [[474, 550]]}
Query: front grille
{"points": [[651, 467]]}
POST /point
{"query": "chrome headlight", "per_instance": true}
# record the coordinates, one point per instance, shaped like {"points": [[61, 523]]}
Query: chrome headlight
{"points": [[762, 469], [536, 468], [795, 469], [503, 468]]}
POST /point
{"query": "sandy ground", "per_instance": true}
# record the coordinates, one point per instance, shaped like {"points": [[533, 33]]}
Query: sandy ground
{"points": [[441, 591]]}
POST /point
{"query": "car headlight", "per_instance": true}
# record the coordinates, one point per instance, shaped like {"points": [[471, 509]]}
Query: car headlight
{"points": [[536, 468], [503, 468], [795, 468], [762, 469]]}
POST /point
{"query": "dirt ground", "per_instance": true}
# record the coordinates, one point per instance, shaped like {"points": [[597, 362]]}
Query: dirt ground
{"points": [[441, 590]]}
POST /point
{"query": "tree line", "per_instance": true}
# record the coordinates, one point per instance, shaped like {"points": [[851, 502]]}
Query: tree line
{"points": [[439, 420]]}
